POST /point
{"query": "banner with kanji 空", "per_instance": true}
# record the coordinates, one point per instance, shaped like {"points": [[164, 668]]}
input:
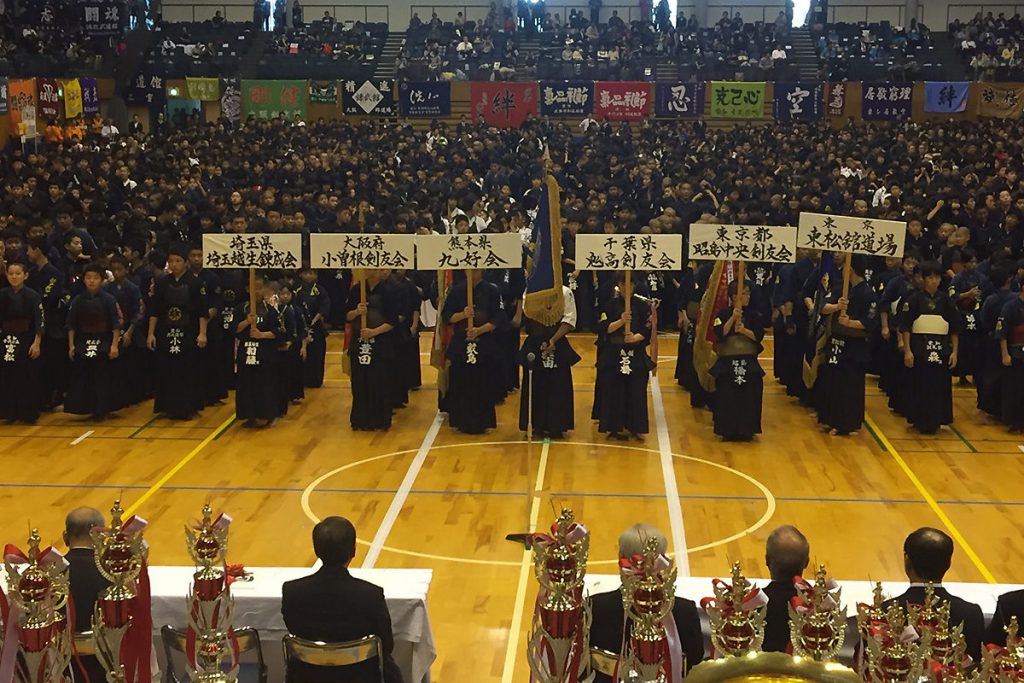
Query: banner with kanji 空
{"points": [[622, 100], [503, 104], [267, 99]]}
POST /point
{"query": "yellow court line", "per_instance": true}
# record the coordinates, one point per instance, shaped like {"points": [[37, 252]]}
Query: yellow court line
{"points": [[177, 468], [932, 503]]}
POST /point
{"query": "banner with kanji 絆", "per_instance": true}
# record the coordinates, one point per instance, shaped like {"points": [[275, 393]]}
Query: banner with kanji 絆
{"points": [[428, 99], [798, 101], [622, 100], [946, 97], [503, 104], [374, 96], [566, 98], [737, 100], [886, 101], [999, 101], [679, 100], [267, 99]]}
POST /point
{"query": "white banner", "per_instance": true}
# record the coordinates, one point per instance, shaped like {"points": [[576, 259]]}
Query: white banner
{"points": [[850, 234], [462, 252], [361, 251], [253, 251], [629, 252], [764, 243]]}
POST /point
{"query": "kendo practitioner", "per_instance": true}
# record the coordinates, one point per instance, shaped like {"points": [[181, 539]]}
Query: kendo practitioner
{"points": [[94, 333], [967, 290], [214, 389], [893, 269], [991, 369], [47, 282], [408, 375], [316, 306], [739, 378], [821, 294], [177, 328], [294, 353], [891, 370], [258, 389], [790, 322], [699, 396], [22, 327], [234, 289], [1009, 332], [371, 352], [841, 376], [686, 375], [473, 387], [623, 365], [929, 325], [553, 358], [131, 364], [511, 283]]}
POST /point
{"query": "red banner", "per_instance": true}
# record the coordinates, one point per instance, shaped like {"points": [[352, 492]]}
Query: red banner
{"points": [[622, 100], [49, 99], [504, 105]]}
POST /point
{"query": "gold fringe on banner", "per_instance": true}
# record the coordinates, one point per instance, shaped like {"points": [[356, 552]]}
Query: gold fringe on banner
{"points": [[547, 306]]}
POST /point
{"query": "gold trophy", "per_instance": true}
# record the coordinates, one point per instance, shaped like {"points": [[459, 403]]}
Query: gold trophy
{"points": [[932, 617], [868, 617], [648, 594], [736, 613], [1004, 664], [121, 554], [817, 623], [558, 649], [894, 651], [38, 588]]}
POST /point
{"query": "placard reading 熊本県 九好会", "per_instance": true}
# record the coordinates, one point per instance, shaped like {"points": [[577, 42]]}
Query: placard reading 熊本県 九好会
{"points": [[851, 234], [762, 243], [361, 251], [462, 252], [252, 251], [629, 252]]}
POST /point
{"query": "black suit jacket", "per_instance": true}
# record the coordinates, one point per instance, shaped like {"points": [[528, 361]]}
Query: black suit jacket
{"points": [[606, 627], [1009, 605], [776, 621], [86, 584], [332, 606], [960, 612]]}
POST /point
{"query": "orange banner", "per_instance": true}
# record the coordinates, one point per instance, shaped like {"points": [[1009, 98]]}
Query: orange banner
{"points": [[20, 94]]}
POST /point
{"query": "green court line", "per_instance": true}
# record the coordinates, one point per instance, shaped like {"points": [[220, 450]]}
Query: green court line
{"points": [[962, 438], [222, 432], [151, 421]]}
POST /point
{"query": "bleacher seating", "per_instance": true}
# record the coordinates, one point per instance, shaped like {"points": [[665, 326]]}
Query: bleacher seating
{"points": [[878, 52]]}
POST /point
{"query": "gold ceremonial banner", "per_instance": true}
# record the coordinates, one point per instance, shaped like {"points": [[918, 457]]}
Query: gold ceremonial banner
{"points": [[72, 98], [1000, 101]]}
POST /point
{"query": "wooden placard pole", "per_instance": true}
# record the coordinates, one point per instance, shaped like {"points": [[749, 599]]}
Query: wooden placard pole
{"points": [[627, 296], [361, 274], [741, 280], [469, 296], [847, 271], [252, 291]]}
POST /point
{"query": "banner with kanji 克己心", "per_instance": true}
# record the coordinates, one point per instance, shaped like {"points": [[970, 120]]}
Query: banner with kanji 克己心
{"points": [[886, 101], [679, 100], [737, 100], [268, 99]]}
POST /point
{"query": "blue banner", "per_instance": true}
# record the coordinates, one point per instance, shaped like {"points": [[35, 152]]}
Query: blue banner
{"points": [[544, 301], [566, 98], [432, 98], [946, 97], [679, 100], [886, 101], [798, 101]]}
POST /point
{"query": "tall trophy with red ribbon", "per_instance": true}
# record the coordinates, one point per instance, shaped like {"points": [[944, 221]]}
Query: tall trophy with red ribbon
{"points": [[736, 613], [36, 647], [946, 652], [1005, 664], [894, 651], [653, 652], [817, 621], [122, 623], [558, 649]]}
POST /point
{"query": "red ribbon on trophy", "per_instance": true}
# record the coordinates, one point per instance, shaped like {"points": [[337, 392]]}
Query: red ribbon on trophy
{"points": [[754, 599], [670, 650]]}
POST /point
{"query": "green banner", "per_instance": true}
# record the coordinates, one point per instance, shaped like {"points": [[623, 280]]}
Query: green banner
{"points": [[267, 99], [203, 89], [323, 92], [737, 100]]}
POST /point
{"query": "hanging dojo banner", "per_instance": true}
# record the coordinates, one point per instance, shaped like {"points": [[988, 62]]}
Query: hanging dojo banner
{"points": [[850, 234], [946, 97], [836, 101], [90, 95], [622, 100], [203, 89], [798, 101], [323, 92], [737, 100], [148, 89], [461, 252], [762, 243], [231, 99], [21, 94], [566, 98], [679, 100], [629, 252], [502, 104], [72, 98], [433, 98], [278, 250], [3, 95], [1000, 101], [376, 96], [49, 98], [268, 99], [361, 251], [101, 18], [886, 101]]}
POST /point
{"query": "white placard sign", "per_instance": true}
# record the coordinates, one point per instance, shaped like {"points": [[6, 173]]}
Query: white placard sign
{"points": [[763, 243], [462, 252], [361, 251], [850, 234], [253, 251], [629, 252]]}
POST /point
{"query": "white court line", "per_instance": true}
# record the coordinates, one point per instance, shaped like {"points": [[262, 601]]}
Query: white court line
{"points": [[1021, 447], [82, 438], [668, 472], [516, 627], [402, 494]]}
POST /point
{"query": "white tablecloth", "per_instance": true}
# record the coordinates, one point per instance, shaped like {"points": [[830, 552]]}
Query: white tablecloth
{"points": [[258, 604]]}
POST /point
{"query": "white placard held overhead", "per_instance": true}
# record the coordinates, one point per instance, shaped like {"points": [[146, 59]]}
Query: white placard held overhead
{"points": [[462, 252], [361, 251], [629, 252], [278, 250], [850, 234], [761, 243]]}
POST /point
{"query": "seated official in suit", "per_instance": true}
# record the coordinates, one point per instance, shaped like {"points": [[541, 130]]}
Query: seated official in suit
{"points": [[927, 555], [85, 579], [608, 614], [786, 554], [334, 607], [1008, 606]]}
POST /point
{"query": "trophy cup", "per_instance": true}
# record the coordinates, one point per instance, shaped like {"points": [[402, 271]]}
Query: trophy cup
{"points": [[932, 617], [895, 652], [558, 649], [121, 556], [868, 617], [817, 623], [736, 613], [38, 588], [1004, 664], [648, 594]]}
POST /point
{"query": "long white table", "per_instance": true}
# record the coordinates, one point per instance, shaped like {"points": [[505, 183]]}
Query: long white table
{"points": [[258, 604]]}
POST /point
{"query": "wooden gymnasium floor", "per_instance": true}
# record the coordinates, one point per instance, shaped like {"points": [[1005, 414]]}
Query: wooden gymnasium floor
{"points": [[855, 498]]}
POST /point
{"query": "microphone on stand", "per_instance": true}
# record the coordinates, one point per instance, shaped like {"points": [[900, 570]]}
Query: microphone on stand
{"points": [[530, 357]]}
